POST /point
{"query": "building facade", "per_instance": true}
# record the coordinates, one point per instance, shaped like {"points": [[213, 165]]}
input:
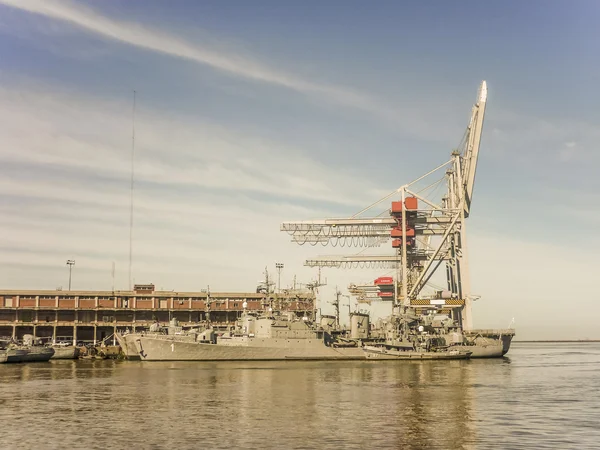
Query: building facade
{"points": [[94, 316]]}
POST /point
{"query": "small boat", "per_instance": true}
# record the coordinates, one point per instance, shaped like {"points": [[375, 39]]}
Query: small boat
{"points": [[20, 353], [26, 352], [382, 352], [65, 351]]}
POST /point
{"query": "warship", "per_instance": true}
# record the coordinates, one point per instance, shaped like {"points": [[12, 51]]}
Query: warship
{"points": [[279, 336]]}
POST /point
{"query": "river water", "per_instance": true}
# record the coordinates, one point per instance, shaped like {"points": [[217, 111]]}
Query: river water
{"points": [[541, 396]]}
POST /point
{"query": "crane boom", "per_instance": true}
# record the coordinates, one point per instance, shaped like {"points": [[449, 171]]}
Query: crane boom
{"points": [[472, 146]]}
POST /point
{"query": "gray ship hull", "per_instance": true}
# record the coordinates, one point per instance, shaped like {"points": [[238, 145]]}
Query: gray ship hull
{"points": [[30, 354], [276, 339], [488, 343], [128, 347], [70, 352], [378, 353], [484, 344], [153, 348], [156, 349]]}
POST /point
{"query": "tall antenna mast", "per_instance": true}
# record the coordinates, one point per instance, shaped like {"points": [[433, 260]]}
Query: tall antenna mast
{"points": [[131, 192]]}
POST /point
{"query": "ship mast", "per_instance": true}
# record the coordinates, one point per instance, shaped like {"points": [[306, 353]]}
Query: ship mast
{"points": [[426, 231], [336, 305]]}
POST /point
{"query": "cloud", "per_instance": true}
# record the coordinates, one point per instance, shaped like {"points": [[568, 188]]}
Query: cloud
{"points": [[234, 64], [69, 131], [208, 199], [531, 139], [568, 152]]}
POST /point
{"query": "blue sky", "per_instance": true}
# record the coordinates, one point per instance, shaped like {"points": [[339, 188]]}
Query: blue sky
{"points": [[252, 113]]}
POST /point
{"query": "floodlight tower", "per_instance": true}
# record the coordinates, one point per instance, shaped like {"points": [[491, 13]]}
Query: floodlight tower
{"points": [[279, 267], [70, 263]]}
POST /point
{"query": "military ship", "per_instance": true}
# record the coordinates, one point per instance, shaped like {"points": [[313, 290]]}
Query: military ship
{"points": [[278, 336], [480, 343]]}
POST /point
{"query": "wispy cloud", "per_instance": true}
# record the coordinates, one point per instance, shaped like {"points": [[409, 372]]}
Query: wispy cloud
{"points": [[236, 65], [208, 199], [540, 140], [74, 132], [568, 152]]}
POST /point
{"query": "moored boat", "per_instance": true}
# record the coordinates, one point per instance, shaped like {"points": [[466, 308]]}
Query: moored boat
{"points": [[488, 343], [382, 352], [281, 337], [65, 351], [28, 351], [18, 353]]}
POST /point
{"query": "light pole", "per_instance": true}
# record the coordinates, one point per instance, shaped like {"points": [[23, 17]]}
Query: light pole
{"points": [[279, 266], [70, 263]]}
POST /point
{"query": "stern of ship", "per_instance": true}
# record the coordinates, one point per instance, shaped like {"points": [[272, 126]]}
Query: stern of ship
{"points": [[490, 343]]}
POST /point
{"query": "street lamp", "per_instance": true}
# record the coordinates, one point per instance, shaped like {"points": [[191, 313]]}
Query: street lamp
{"points": [[279, 266], [70, 263]]}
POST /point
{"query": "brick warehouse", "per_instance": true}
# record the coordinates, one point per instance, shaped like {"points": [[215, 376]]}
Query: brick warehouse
{"points": [[91, 316]]}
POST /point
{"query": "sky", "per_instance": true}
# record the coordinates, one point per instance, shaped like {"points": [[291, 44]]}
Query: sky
{"points": [[248, 114]]}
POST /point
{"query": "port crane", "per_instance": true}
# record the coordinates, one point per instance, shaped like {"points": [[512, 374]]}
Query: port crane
{"points": [[427, 231]]}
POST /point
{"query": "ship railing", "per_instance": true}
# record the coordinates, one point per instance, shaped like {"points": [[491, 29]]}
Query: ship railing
{"points": [[491, 332]]}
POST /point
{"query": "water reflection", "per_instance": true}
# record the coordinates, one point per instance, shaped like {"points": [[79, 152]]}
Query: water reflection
{"points": [[291, 404], [429, 404]]}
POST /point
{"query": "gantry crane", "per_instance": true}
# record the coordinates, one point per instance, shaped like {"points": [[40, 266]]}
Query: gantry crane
{"points": [[426, 231]]}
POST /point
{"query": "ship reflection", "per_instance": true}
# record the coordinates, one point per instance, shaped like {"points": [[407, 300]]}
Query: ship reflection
{"points": [[398, 404], [436, 409], [362, 404]]}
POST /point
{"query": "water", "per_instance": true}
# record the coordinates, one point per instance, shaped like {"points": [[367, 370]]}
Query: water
{"points": [[542, 396]]}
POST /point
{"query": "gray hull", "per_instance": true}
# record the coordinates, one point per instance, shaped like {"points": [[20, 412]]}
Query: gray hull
{"points": [[70, 352], [488, 343], [377, 354], [152, 349], [293, 340], [3, 356], [128, 347], [31, 354]]}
